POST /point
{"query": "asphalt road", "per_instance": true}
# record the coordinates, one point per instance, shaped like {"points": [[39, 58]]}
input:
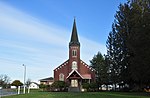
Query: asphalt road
{"points": [[7, 92]]}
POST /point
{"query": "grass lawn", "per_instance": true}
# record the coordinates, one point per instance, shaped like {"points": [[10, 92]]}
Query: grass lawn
{"points": [[80, 95]]}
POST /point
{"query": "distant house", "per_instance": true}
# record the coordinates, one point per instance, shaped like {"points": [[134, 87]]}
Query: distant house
{"points": [[12, 87], [47, 81], [34, 85]]}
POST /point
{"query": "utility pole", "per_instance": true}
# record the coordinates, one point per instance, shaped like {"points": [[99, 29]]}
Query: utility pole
{"points": [[24, 86]]}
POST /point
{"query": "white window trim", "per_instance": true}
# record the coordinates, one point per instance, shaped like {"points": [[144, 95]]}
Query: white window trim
{"points": [[61, 77], [74, 65]]}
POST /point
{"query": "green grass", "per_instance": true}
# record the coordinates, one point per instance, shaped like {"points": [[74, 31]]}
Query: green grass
{"points": [[80, 95]]}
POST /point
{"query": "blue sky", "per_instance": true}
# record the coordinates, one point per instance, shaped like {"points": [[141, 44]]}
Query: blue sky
{"points": [[37, 33]]}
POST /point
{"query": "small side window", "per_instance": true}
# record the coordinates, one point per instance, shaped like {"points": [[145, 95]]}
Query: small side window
{"points": [[61, 77]]}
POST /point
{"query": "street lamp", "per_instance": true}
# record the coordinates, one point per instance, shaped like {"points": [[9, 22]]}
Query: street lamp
{"points": [[24, 88]]}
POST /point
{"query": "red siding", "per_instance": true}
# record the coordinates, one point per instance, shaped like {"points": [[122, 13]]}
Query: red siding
{"points": [[65, 69]]}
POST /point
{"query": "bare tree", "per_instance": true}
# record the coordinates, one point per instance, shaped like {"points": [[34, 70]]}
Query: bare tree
{"points": [[28, 82], [4, 81]]}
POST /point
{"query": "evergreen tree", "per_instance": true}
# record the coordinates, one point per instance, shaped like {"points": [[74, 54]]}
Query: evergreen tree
{"points": [[113, 58], [128, 44], [139, 42], [98, 63], [121, 27]]}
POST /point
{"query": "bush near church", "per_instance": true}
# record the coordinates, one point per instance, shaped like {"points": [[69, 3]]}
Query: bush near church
{"points": [[43, 87], [90, 86], [59, 86]]}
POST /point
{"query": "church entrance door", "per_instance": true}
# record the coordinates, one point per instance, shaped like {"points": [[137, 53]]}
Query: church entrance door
{"points": [[74, 83]]}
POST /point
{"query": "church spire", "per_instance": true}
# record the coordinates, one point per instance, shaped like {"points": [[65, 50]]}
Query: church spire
{"points": [[74, 37]]}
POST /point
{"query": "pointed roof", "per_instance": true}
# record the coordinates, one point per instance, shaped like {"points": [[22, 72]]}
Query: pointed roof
{"points": [[72, 73], [74, 37], [84, 76]]}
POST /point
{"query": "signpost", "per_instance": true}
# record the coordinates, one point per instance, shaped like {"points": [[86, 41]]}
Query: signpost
{"points": [[0, 92], [18, 90]]}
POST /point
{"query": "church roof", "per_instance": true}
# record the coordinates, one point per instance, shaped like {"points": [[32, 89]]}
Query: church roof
{"points": [[74, 37], [84, 76], [60, 66], [72, 73]]}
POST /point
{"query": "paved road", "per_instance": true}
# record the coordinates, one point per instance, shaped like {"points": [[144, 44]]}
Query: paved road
{"points": [[7, 92]]}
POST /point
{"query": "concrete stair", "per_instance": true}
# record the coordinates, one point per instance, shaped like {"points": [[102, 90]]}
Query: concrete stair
{"points": [[73, 89]]}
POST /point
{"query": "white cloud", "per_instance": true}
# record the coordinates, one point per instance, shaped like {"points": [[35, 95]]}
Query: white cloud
{"points": [[21, 23], [42, 47], [90, 48]]}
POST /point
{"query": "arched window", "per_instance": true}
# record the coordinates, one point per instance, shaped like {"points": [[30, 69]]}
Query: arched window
{"points": [[74, 53], [61, 77], [74, 65]]}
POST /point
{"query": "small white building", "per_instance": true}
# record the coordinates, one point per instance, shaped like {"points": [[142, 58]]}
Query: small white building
{"points": [[34, 85], [13, 87]]}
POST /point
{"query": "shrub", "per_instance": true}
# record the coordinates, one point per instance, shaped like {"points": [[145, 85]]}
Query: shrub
{"points": [[59, 86], [86, 86]]}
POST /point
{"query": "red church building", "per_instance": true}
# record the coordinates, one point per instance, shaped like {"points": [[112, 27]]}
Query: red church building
{"points": [[74, 71]]}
